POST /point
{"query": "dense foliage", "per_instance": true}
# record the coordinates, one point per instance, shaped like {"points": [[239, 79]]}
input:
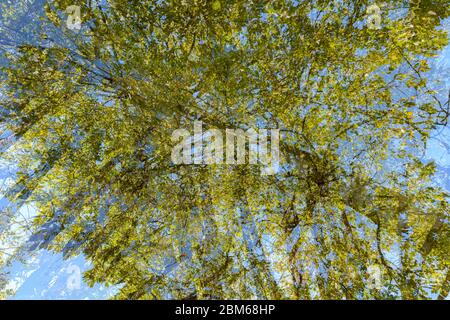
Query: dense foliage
{"points": [[89, 115]]}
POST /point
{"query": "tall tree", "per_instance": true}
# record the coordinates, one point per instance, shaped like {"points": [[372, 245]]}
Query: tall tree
{"points": [[92, 112]]}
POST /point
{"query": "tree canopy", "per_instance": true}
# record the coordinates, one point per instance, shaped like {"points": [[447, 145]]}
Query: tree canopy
{"points": [[88, 115]]}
